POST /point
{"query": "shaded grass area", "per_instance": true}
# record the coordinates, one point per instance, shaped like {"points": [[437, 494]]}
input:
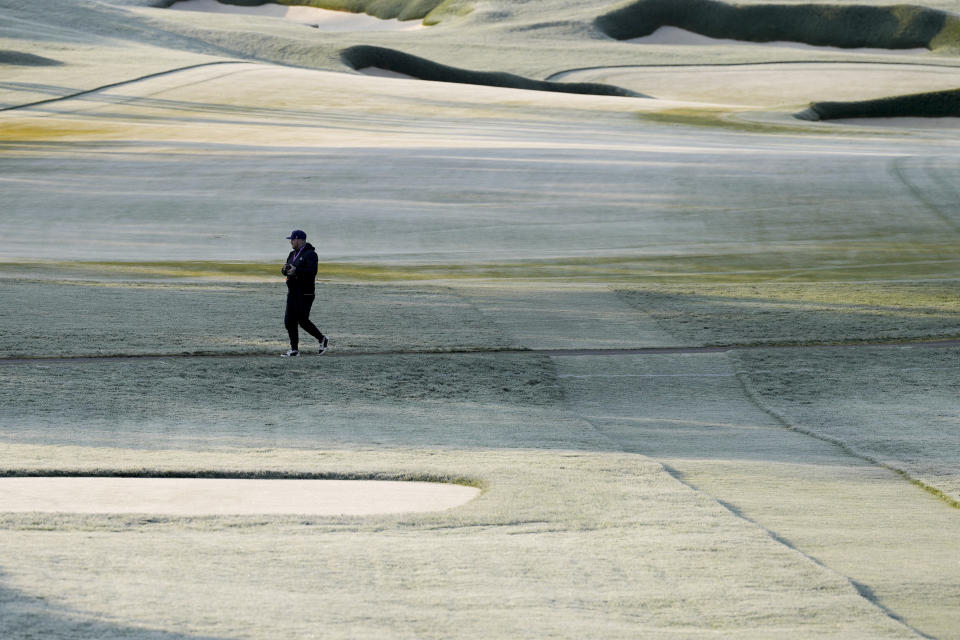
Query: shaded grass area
{"points": [[933, 104], [363, 56], [23, 59], [411, 401], [834, 25], [809, 313]]}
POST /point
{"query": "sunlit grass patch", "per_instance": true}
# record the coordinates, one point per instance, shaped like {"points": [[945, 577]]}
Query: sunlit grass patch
{"points": [[802, 262], [719, 119], [37, 129]]}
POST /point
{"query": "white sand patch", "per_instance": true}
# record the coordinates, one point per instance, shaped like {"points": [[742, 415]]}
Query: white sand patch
{"points": [[215, 496], [385, 73], [770, 85], [677, 36], [323, 19]]}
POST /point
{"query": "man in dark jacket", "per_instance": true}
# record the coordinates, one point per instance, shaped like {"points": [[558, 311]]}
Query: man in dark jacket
{"points": [[301, 272]]}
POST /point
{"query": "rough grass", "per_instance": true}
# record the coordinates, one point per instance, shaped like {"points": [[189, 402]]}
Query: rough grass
{"points": [[473, 400], [362, 56], [834, 25], [802, 313], [934, 104]]}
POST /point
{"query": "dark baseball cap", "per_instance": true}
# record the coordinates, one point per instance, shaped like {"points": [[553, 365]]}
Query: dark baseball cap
{"points": [[297, 233]]}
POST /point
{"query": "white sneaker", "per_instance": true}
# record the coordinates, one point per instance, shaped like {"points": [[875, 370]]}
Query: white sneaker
{"points": [[290, 354], [323, 345]]}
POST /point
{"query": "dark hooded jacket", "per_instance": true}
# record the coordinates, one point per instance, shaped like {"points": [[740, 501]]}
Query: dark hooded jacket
{"points": [[303, 279]]}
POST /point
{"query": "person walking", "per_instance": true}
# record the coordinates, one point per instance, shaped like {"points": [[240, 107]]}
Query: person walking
{"points": [[301, 272]]}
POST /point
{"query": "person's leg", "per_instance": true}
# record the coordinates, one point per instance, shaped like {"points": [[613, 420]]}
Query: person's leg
{"points": [[306, 302], [290, 321]]}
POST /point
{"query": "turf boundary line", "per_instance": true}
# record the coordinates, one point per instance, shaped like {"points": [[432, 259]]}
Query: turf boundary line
{"points": [[928, 344], [122, 83], [758, 402]]}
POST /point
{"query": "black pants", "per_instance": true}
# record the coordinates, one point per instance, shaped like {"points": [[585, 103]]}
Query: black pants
{"points": [[298, 314]]}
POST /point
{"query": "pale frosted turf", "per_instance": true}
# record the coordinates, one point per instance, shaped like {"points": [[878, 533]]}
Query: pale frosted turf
{"points": [[662, 496], [615, 546]]}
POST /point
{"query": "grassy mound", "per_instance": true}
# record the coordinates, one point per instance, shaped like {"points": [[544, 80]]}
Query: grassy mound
{"points": [[363, 56], [935, 104], [22, 59], [847, 26]]}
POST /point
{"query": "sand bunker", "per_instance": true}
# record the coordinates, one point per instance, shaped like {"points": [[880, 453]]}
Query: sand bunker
{"points": [[678, 36], [323, 19], [385, 73], [224, 496], [772, 85]]}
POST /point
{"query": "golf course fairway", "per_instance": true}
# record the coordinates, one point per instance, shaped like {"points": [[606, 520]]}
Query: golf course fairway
{"points": [[687, 363]]}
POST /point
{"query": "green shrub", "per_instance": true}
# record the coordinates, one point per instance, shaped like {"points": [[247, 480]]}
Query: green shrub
{"points": [[848, 26], [363, 56], [936, 104]]}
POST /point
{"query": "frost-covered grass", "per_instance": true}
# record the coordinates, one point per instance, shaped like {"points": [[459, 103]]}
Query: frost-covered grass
{"points": [[138, 318], [163, 204], [783, 313], [606, 544], [896, 406], [385, 401]]}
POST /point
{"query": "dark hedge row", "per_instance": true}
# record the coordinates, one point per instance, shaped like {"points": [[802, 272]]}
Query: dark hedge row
{"points": [[936, 104], [848, 26], [363, 56]]}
